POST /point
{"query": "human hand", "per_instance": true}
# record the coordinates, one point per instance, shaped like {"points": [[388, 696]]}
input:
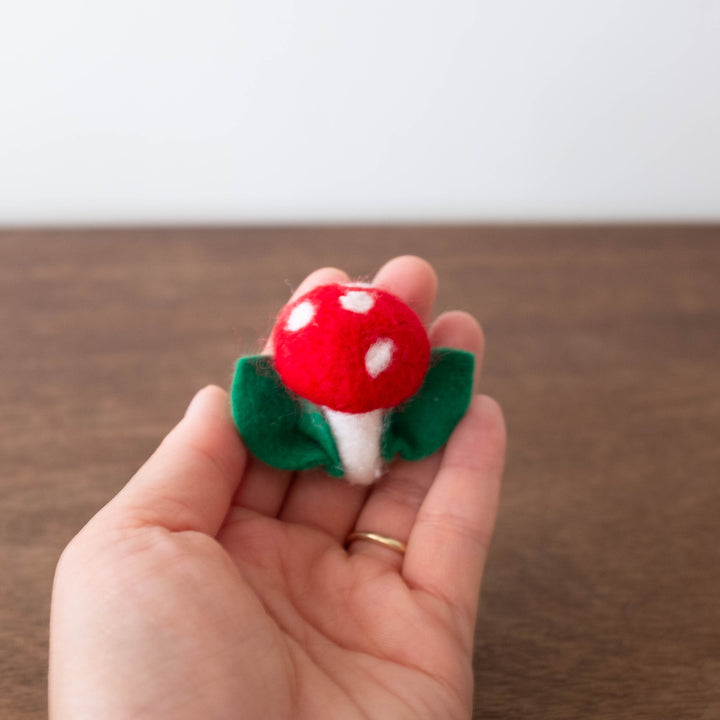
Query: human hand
{"points": [[214, 586]]}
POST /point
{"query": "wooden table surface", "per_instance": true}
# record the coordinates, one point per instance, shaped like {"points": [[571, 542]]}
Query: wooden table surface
{"points": [[602, 591]]}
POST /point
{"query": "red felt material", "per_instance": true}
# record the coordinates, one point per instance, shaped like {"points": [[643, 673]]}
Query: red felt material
{"points": [[325, 361]]}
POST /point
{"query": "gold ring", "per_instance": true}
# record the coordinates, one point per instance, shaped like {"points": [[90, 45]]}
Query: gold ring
{"points": [[382, 540]]}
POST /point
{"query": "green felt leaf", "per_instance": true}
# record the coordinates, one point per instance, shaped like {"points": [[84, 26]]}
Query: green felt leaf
{"points": [[278, 427], [423, 424]]}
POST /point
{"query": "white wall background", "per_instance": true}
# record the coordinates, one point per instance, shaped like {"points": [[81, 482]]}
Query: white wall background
{"points": [[381, 110]]}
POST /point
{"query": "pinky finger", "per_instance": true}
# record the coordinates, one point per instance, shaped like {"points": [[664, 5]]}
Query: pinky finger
{"points": [[449, 541]]}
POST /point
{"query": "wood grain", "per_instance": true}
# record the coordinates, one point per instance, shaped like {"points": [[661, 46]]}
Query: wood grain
{"points": [[601, 597]]}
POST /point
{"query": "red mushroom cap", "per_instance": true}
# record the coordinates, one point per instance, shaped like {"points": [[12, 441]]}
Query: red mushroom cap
{"points": [[351, 348]]}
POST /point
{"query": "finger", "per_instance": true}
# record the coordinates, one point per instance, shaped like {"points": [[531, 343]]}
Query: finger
{"points": [[321, 501], [392, 506], [449, 541], [393, 503], [460, 330], [264, 488], [413, 280], [326, 503], [188, 483]]}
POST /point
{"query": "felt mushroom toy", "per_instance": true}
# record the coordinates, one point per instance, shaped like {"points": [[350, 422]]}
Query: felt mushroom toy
{"points": [[355, 352], [352, 383]]}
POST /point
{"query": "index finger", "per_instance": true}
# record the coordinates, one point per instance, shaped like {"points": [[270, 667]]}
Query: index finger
{"points": [[188, 482]]}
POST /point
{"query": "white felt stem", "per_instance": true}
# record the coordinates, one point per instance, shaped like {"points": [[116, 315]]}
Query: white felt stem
{"points": [[357, 436]]}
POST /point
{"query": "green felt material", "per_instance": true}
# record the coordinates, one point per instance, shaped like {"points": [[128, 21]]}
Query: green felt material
{"points": [[278, 427], [423, 424], [288, 432]]}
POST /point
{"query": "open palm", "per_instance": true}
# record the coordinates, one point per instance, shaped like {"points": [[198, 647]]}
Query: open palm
{"points": [[215, 586]]}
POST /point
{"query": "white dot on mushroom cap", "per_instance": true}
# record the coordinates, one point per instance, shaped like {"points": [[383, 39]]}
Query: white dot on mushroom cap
{"points": [[379, 357], [300, 316], [357, 301]]}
